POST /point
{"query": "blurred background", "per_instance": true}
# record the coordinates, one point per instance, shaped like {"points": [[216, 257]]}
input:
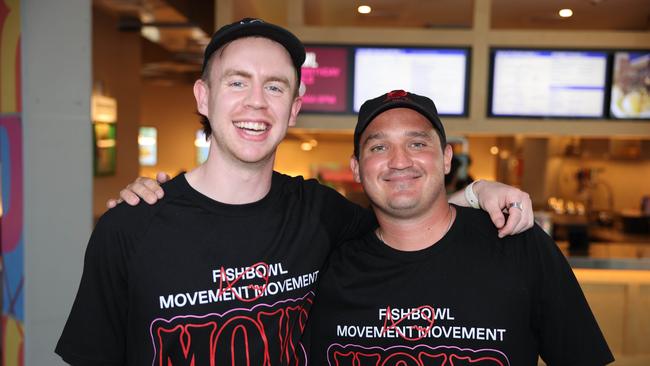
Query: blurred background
{"points": [[549, 96]]}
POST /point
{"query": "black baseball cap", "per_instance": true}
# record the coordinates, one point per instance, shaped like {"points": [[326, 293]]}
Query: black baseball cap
{"points": [[397, 99], [250, 27]]}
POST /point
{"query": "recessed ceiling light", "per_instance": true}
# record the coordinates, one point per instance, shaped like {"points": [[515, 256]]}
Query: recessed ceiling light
{"points": [[364, 9], [565, 13]]}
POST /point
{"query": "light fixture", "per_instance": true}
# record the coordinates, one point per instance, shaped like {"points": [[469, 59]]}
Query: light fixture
{"points": [[364, 9], [306, 146], [103, 109], [565, 13], [494, 150]]}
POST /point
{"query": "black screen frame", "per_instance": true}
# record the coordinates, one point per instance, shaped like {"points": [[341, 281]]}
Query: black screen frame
{"points": [[468, 68], [604, 113]]}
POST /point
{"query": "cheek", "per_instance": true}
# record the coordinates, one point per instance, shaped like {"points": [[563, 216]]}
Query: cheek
{"points": [[369, 167]]}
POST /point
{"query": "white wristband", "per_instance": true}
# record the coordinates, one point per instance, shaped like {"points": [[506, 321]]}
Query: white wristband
{"points": [[470, 196]]}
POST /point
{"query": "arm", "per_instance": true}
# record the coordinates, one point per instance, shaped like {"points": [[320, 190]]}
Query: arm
{"points": [[95, 331], [495, 198]]}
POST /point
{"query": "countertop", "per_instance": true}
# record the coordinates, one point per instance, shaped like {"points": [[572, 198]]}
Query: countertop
{"points": [[610, 255]]}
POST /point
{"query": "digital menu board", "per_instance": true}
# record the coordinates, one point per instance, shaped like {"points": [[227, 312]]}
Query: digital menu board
{"points": [[440, 74], [325, 76], [548, 83], [630, 96]]}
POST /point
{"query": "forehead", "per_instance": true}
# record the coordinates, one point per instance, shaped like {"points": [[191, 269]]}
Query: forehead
{"points": [[257, 52], [398, 120]]}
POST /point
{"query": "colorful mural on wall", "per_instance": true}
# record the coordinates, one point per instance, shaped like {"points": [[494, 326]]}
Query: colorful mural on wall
{"points": [[11, 187]]}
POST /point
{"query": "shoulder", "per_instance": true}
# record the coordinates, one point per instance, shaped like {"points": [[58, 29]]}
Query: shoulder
{"points": [[477, 222], [297, 183], [308, 189], [480, 228], [129, 221]]}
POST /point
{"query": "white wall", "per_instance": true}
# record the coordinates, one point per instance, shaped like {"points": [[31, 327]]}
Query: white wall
{"points": [[56, 75]]}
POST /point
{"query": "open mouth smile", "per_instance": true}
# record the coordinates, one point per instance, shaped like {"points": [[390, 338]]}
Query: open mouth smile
{"points": [[252, 127]]}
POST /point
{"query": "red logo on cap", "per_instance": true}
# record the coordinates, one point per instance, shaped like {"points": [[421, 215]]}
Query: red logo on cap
{"points": [[396, 94]]}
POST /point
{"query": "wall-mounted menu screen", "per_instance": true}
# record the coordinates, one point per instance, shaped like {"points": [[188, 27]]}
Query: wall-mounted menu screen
{"points": [[325, 76], [630, 96], [548, 83], [440, 74]]}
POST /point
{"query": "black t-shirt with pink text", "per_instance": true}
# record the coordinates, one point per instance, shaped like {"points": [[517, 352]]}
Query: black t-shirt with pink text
{"points": [[191, 281], [469, 299]]}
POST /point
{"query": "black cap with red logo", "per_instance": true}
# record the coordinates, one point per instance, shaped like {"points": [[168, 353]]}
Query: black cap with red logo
{"points": [[397, 99]]}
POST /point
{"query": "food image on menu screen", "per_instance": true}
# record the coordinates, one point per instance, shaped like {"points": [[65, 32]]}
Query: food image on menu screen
{"points": [[542, 83], [440, 74], [325, 77], [631, 85]]}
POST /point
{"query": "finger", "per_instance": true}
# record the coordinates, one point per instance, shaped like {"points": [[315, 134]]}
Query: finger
{"points": [[111, 203], [522, 226], [529, 222], [527, 215], [493, 209], [140, 189], [514, 218], [162, 177], [154, 187], [129, 197]]}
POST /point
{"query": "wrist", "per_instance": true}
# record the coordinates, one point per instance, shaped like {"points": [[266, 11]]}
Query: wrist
{"points": [[470, 195]]}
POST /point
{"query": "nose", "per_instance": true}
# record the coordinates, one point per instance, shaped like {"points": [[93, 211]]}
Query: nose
{"points": [[256, 98], [399, 158]]}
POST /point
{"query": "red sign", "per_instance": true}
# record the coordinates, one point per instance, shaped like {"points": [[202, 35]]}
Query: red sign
{"points": [[325, 75]]}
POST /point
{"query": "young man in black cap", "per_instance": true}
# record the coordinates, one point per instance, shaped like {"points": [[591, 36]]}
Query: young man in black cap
{"points": [[222, 270], [434, 284]]}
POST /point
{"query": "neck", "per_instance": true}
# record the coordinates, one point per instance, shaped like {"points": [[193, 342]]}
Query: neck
{"points": [[232, 182], [411, 234]]}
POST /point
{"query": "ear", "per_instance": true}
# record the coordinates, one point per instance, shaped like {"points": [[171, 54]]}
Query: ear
{"points": [[354, 166], [295, 108], [448, 153], [201, 94]]}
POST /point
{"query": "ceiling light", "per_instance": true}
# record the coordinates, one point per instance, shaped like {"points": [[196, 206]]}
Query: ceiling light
{"points": [[364, 9], [565, 13], [306, 146]]}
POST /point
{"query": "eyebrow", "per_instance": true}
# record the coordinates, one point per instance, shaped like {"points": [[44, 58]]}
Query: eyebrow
{"points": [[233, 72], [418, 134], [380, 135], [373, 136]]}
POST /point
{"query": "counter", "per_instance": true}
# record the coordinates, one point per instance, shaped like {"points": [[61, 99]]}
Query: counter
{"points": [[615, 278]]}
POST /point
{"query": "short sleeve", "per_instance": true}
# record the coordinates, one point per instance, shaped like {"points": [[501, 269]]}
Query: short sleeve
{"points": [[568, 331], [345, 220], [95, 332]]}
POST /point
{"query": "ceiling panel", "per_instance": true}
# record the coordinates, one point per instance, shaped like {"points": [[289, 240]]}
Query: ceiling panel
{"points": [[587, 14]]}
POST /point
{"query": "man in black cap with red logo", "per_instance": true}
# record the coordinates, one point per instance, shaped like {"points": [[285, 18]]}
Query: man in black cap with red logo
{"points": [[434, 284], [222, 270]]}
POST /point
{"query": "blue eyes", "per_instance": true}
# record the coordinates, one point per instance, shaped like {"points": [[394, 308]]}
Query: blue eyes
{"points": [[275, 89]]}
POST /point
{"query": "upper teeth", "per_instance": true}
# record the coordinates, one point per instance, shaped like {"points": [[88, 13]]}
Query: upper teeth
{"points": [[257, 126]]}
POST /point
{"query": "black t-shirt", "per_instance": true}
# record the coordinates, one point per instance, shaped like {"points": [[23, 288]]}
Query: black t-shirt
{"points": [[191, 281], [470, 299]]}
